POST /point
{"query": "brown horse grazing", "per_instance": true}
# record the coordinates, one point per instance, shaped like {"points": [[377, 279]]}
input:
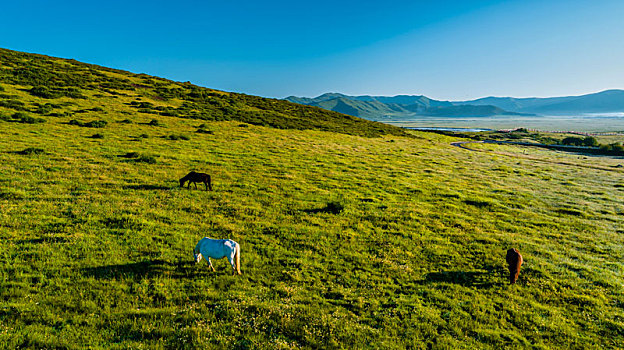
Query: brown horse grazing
{"points": [[514, 260], [195, 178]]}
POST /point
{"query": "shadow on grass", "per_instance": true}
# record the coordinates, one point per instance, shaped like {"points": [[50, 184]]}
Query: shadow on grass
{"points": [[143, 269], [30, 151], [330, 208], [476, 279], [147, 187], [42, 240]]}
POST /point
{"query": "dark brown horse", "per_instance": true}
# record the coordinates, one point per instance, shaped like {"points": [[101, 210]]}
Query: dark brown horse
{"points": [[195, 178], [514, 260]]}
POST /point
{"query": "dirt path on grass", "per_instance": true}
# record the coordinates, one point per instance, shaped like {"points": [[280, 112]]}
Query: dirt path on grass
{"points": [[464, 145]]}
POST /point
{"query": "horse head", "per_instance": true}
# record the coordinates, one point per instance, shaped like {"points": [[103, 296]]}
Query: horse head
{"points": [[197, 256]]}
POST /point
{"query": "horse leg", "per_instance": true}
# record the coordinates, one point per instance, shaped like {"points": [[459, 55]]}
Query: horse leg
{"points": [[231, 260], [195, 183], [210, 264], [206, 183]]}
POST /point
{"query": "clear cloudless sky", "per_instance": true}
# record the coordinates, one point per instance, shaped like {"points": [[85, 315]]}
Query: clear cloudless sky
{"points": [[455, 50]]}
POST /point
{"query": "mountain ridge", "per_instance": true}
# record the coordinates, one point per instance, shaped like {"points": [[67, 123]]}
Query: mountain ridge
{"points": [[405, 106]]}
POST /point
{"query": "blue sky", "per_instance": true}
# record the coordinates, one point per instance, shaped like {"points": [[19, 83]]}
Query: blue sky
{"points": [[442, 49]]}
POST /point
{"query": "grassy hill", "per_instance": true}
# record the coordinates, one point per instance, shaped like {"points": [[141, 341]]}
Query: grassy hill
{"points": [[348, 241], [38, 80]]}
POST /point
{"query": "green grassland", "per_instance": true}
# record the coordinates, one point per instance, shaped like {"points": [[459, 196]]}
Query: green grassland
{"points": [[353, 234]]}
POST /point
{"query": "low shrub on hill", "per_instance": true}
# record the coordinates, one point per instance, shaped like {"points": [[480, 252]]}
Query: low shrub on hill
{"points": [[32, 150], [177, 137], [13, 104], [139, 158], [56, 92], [21, 117], [91, 124]]}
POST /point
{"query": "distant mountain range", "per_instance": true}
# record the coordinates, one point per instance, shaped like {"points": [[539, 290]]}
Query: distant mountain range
{"points": [[408, 106]]}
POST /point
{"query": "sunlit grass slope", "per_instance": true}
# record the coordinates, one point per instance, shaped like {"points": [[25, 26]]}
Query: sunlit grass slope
{"points": [[78, 84], [348, 241]]}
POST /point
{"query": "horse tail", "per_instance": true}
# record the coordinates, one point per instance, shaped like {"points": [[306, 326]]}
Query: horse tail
{"points": [[237, 258]]}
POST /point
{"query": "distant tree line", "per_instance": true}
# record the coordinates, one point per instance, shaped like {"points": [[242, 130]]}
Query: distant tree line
{"points": [[589, 141]]}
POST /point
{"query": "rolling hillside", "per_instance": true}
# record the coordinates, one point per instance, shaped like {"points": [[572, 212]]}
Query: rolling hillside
{"points": [[40, 80], [354, 235]]}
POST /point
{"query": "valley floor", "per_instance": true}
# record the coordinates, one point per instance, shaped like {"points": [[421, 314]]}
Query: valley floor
{"points": [[346, 241]]}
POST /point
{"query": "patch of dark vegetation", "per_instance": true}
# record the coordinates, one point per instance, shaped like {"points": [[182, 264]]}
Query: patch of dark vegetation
{"points": [[97, 136], [141, 137], [614, 149], [31, 151], [7, 101], [60, 114], [329, 208], [56, 92], [142, 105], [51, 239], [11, 195], [95, 109], [450, 195], [619, 186], [588, 141], [126, 121], [21, 117], [202, 129], [155, 122], [139, 158], [177, 137], [571, 211], [91, 124], [46, 108], [479, 203]]}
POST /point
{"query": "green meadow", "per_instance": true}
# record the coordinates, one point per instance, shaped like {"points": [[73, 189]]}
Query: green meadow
{"points": [[354, 235]]}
